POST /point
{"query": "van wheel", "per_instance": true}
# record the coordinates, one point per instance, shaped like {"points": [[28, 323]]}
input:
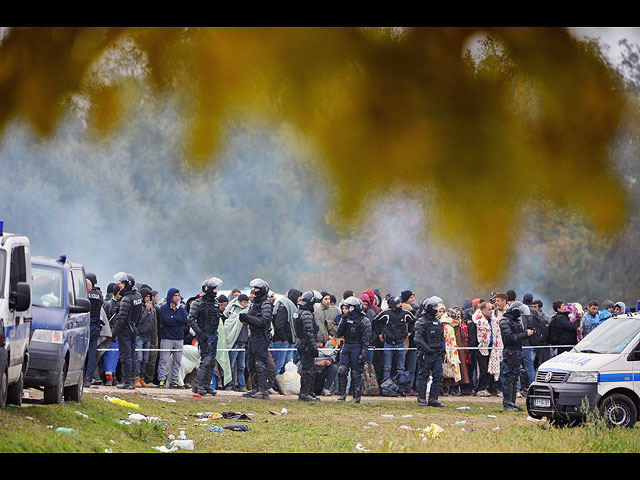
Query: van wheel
{"points": [[55, 393], [73, 393], [618, 411], [15, 391], [3, 389]]}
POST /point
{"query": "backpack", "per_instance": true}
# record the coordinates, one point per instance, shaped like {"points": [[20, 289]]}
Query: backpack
{"points": [[541, 327], [404, 381], [389, 388], [369, 380]]}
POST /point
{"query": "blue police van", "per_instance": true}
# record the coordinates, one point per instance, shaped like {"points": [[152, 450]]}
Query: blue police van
{"points": [[59, 328]]}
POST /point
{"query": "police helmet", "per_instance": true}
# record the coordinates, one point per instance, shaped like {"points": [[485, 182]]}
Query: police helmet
{"points": [[92, 278], [260, 285], [433, 301], [210, 285], [128, 279], [519, 307], [310, 297], [354, 302]]}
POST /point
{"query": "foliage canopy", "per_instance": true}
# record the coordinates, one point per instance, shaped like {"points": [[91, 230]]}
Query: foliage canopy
{"points": [[383, 109]]}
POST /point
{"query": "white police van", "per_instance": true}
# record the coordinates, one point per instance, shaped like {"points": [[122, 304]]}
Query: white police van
{"points": [[600, 374], [15, 315]]}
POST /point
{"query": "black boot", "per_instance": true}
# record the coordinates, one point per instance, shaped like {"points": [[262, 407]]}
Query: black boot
{"points": [[342, 387], [128, 384], [436, 385], [421, 390], [261, 371]]}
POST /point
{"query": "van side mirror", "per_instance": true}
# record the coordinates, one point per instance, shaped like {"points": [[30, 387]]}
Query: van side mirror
{"points": [[20, 299], [83, 305]]}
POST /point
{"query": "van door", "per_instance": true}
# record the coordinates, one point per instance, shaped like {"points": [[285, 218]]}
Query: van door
{"points": [[79, 333], [19, 329]]}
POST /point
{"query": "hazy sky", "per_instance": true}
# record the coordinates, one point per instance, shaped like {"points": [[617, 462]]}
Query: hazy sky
{"points": [[609, 35]]}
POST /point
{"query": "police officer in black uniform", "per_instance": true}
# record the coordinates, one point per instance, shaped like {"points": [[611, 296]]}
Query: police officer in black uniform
{"points": [[429, 339], [513, 335], [97, 300], [306, 331], [258, 318], [204, 318], [126, 326], [355, 328]]}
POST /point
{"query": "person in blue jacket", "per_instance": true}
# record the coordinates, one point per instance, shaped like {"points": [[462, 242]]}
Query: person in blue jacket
{"points": [[173, 320]]}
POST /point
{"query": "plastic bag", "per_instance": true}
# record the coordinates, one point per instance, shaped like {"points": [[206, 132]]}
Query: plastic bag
{"points": [[289, 382], [290, 367]]}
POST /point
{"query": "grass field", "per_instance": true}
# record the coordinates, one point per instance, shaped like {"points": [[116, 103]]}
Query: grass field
{"points": [[376, 425]]}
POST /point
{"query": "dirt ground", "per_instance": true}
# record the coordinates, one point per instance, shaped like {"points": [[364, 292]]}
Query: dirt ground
{"points": [[35, 396]]}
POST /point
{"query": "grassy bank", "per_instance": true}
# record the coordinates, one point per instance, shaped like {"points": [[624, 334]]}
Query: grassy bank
{"points": [[327, 426]]}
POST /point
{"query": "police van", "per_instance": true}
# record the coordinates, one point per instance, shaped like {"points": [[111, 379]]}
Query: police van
{"points": [[15, 315], [601, 374]]}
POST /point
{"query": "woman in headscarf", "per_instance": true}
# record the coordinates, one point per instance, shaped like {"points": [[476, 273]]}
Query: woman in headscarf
{"points": [[575, 315], [451, 322]]}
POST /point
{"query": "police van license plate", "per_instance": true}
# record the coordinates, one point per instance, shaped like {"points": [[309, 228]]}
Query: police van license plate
{"points": [[541, 402]]}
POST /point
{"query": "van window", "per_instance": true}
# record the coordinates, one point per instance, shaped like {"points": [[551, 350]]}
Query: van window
{"points": [[18, 268], [79, 283], [612, 336], [46, 289]]}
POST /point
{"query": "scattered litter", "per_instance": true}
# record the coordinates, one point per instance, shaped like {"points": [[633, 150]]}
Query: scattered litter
{"points": [[284, 411], [531, 419], [407, 416], [361, 448], [405, 427], [387, 416], [108, 450], [274, 413], [25, 395], [30, 418], [138, 417], [240, 427], [119, 401], [463, 408], [184, 444], [182, 436], [461, 422], [164, 399], [65, 430], [164, 449], [373, 424], [196, 395], [82, 414], [431, 432], [236, 416], [497, 428], [492, 416], [215, 429]]}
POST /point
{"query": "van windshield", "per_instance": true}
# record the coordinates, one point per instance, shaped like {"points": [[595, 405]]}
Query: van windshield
{"points": [[612, 336], [47, 286]]}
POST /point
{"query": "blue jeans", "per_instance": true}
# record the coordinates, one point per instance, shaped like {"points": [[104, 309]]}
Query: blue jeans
{"points": [[280, 358], [529, 355], [237, 358], [142, 358], [389, 353]]}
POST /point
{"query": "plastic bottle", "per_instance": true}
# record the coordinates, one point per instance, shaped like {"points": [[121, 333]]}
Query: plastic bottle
{"points": [[65, 430]]}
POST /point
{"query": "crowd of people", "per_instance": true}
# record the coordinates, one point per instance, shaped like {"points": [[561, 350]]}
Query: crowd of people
{"points": [[362, 344]]}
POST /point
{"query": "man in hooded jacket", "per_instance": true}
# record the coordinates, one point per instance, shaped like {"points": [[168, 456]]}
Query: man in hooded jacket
{"points": [[284, 338], [513, 336]]}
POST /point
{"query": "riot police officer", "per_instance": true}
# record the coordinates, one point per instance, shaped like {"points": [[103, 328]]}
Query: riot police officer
{"points": [[429, 340], [126, 326], [204, 318], [306, 329], [513, 335], [97, 300], [355, 328], [258, 318]]}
